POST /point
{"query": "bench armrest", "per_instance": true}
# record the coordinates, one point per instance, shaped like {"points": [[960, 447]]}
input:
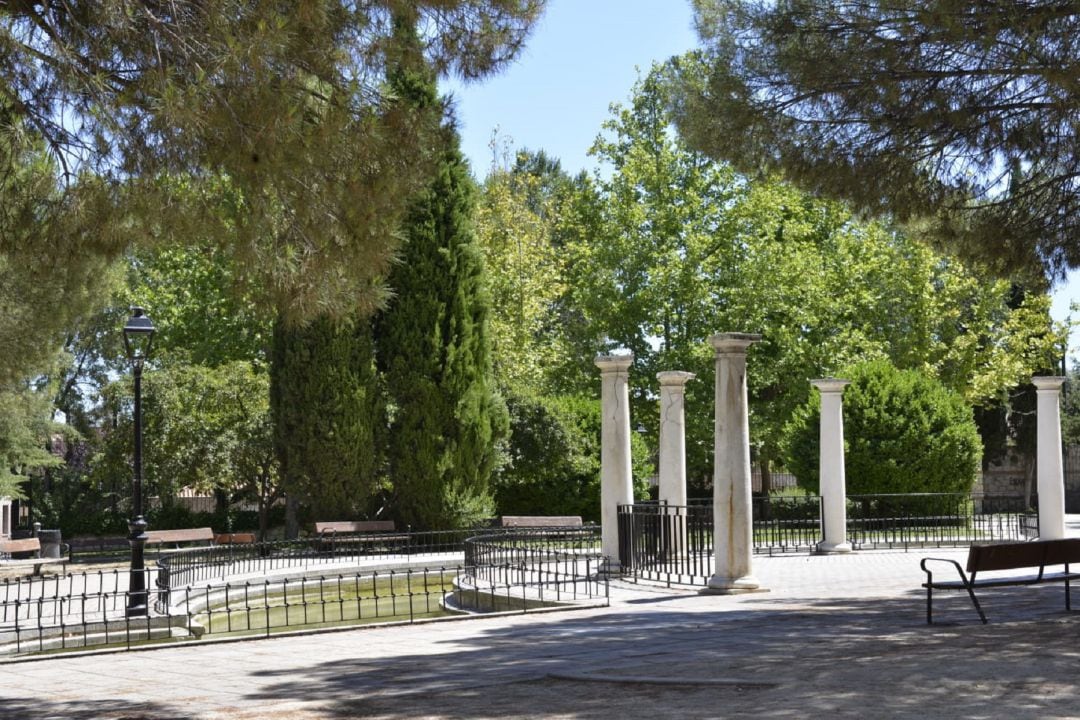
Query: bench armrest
{"points": [[930, 575]]}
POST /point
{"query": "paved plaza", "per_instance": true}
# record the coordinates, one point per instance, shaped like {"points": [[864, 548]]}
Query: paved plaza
{"points": [[835, 636]]}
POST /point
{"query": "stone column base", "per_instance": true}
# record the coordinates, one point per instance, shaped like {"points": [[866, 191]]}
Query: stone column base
{"points": [[733, 586], [610, 568], [825, 548]]}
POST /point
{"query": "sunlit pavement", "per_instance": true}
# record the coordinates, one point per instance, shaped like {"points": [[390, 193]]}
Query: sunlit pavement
{"points": [[839, 635]]}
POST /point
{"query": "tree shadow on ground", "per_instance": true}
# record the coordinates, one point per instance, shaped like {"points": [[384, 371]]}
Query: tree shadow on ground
{"points": [[45, 709], [837, 657]]}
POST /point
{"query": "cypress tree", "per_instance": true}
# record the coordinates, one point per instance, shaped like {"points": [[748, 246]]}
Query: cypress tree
{"points": [[328, 414], [433, 347]]}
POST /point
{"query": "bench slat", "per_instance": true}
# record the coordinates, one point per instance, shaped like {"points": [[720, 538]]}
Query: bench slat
{"points": [[182, 535], [353, 526], [1014, 556], [20, 546], [540, 521]]}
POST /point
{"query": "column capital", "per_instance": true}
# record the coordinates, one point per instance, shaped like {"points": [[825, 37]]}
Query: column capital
{"points": [[676, 378], [614, 363], [733, 343], [1048, 383], [830, 385]]}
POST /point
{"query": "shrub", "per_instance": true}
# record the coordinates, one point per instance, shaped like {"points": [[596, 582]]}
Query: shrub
{"points": [[553, 458], [903, 433]]}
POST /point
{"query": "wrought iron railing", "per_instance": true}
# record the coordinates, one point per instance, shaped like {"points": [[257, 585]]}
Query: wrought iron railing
{"points": [[934, 519], [674, 544], [518, 571], [180, 568], [555, 564]]}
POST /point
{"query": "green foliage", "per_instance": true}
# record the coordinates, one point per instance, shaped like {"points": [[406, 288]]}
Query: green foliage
{"points": [[319, 152], [26, 430], [903, 433], [433, 348], [515, 221], [203, 428], [328, 415], [553, 458], [953, 112], [670, 247], [200, 318]]}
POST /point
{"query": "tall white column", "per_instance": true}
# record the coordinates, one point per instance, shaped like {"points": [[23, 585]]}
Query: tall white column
{"points": [[673, 436], [616, 482], [672, 490], [831, 466], [732, 507], [1051, 479]]}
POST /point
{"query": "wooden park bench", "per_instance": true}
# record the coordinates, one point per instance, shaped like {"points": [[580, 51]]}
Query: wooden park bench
{"points": [[234, 539], [173, 539], [31, 547], [86, 548], [539, 521], [330, 535], [1035, 556]]}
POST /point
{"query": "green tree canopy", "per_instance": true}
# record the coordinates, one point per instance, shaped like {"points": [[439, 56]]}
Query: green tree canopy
{"points": [[904, 432], [281, 109], [954, 112], [671, 247], [434, 350]]}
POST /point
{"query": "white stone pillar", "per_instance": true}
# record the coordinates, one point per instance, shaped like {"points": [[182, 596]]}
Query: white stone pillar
{"points": [[1051, 475], [616, 481], [732, 507], [672, 490], [673, 436], [831, 466]]}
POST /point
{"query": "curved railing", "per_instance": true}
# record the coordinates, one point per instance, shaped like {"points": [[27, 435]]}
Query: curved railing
{"points": [[545, 564]]}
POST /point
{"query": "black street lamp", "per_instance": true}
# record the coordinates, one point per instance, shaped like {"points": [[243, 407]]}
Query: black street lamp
{"points": [[138, 334]]}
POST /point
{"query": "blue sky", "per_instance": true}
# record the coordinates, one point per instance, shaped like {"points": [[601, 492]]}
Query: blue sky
{"points": [[583, 56]]}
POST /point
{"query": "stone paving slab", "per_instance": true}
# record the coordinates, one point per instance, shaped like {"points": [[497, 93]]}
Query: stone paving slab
{"points": [[842, 636]]}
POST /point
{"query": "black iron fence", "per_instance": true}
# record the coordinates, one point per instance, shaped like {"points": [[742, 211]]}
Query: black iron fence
{"points": [[674, 544], [179, 568], [934, 520], [549, 564], [518, 571]]}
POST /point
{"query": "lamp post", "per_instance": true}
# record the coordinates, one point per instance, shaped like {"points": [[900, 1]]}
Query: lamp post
{"points": [[138, 334]]}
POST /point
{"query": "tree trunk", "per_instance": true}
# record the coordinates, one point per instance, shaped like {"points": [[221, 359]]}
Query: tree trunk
{"points": [[292, 524]]}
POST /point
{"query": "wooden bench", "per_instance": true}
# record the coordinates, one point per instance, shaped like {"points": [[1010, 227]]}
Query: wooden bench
{"points": [[234, 539], [1034, 555], [329, 534], [539, 521], [99, 547], [28, 546], [177, 538], [353, 527]]}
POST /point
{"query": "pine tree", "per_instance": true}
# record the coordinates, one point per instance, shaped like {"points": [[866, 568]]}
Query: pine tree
{"points": [[328, 415], [433, 347]]}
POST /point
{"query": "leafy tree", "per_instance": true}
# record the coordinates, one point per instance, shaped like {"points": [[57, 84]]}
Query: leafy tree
{"points": [[553, 463], [670, 247], [207, 429], [434, 350], [25, 432], [56, 252], [903, 433], [957, 114], [515, 220], [286, 104], [328, 415]]}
